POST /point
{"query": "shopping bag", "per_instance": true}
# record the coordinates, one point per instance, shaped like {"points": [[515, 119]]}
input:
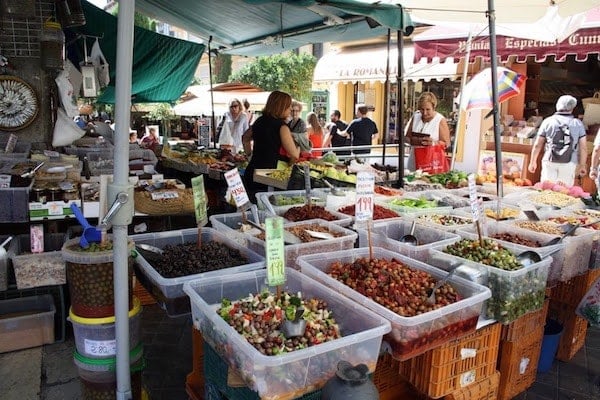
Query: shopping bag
{"points": [[595, 99], [591, 114], [225, 137], [431, 159], [589, 306], [100, 64], [66, 130]]}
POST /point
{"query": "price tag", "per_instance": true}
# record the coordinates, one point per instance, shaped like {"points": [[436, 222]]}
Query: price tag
{"points": [[237, 189], [163, 195], [199, 200], [275, 251], [475, 210], [365, 187], [100, 347]]}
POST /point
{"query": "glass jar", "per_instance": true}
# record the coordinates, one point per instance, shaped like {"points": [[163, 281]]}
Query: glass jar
{"points": [[38, 193], [70, 194], [52, 43], [55, 193], [70, 13]]}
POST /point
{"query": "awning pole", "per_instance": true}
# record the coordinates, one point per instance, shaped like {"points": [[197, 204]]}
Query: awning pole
{"points": [[212, 100], [495, 110], [400, 112], [463, 82], [386, 97]]}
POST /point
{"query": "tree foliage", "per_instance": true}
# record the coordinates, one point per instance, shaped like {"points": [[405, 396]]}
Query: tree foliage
{"points": [[221, 68], [287, 72]]}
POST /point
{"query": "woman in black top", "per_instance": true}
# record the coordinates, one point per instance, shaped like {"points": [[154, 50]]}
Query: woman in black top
{"points": [[266, 137]]}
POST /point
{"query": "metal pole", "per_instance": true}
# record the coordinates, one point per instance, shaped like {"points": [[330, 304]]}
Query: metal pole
{"points": [[463, 82], [121, 184], [400, 112], [495, 110], [386, 97], [212, 100]]}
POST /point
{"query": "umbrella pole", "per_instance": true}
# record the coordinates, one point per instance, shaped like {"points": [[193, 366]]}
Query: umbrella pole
{"points": [[463, 82], [400, 113], [212, 101], [495, 110], [386, 96]]}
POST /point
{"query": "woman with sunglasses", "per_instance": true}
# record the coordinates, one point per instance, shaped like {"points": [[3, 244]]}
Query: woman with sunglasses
{"points": [[235, 123]]}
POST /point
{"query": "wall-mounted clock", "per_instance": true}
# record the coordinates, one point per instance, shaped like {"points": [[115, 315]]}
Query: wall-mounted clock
{"points": [[18, 103]]}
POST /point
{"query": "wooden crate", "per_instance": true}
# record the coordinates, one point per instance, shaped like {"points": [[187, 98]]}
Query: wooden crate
{"points": [[574, 331], [517, 364], [455, 365], [572, 291], [486, 389], [525, 325]]}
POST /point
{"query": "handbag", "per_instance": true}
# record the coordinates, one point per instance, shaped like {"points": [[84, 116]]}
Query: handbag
{"points": [[431, 159]]}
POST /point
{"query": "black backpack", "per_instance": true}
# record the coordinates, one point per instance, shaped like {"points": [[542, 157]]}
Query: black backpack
{"points": [[560, 145]]}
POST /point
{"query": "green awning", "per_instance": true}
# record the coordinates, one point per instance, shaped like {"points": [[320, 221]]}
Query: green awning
{"points": [[163, 67]]}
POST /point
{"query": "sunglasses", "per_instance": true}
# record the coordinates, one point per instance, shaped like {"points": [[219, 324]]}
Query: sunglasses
{"points": [[234, 106]]}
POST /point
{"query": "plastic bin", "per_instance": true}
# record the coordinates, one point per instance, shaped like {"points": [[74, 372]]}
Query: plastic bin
{"points": [[26, 322], [90, 278], [340, 218], [514, 293], [95, 337], [15, 204], [293, 251], [99, 378], [410, 336], [291, 198], [428, 195], [38, 269], [169, 291], [229, 224], [387, 235], [430, 217], [287, 375]]}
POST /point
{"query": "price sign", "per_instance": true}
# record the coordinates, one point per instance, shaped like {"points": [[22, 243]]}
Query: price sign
{"points": [[275, 251], [164, 195], [237, 189], [199, 200], [365, 187], [473, 197], [100, 347]]}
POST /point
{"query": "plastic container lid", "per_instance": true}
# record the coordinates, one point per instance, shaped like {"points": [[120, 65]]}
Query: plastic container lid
{"points": [[109, 364], [137, 307]]}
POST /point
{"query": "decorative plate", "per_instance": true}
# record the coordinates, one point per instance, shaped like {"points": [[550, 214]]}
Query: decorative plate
{"points": [[18, 103]]}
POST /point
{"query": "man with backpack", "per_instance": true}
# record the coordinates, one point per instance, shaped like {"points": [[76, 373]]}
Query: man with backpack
{"points": [[563, 138]]}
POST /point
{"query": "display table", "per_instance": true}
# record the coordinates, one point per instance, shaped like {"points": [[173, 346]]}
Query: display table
{"points": [[263, 176]]}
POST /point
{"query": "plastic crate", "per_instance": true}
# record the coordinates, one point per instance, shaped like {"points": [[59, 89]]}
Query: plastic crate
{"points": [[389, 383], [518, 363], [15, 204], [426, 330], [293, 251], [26, 322], [572, 291], [387, 235], [169, 291], [455, 365], [574, 331], [340, 218], [486, 389], [427, 217], [525, 325], [38, 269], [295, 373], [229, 224], [293, 197], [514, 293]]}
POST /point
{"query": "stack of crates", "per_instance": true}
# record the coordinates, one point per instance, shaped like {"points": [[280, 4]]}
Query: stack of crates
{"points": [[520, 347], [565, 297], [462, 368]]}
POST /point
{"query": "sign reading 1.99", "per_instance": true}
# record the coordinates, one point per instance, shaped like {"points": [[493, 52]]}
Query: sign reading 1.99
{"points": [[365, 186]]}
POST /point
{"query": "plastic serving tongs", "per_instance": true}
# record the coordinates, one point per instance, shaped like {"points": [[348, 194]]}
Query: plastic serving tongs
{"points": [[90, 234]]}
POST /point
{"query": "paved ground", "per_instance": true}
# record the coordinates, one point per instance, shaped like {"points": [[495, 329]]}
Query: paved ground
{"points": [[48, 372]]}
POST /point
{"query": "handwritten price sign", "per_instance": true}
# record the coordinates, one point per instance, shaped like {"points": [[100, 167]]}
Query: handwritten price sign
{"points": [[275, 251], [199, 200], [237, 189], [473, 197], [365, 187]]}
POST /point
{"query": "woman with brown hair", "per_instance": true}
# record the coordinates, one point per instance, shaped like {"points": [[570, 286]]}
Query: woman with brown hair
{"points": [[266, 137]]}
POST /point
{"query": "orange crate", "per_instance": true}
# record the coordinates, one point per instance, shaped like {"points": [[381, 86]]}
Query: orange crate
{"points": [[141, 293], [572, 291], [456, 364], [525, 325], [390, 385], [194, 381], [486, 389], [574, 329], [518, 363]]}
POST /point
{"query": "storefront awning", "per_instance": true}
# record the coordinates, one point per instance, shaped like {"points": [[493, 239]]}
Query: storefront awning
{"points": [[370, 65], [445, 42]]}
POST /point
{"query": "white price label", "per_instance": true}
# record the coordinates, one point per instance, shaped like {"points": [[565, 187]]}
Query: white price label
{"points": [[164, 195], [365, 187], [100, 347], [236, 187], [473, 197]]}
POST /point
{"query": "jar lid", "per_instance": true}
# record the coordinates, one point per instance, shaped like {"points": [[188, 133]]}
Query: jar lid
{"points": [[39, 187], [52, 25]]}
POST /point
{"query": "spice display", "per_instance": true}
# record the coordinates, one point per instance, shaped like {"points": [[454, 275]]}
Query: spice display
{"points": [[489, 253], [540, 226], [505, 213], [300, 231], [552, 198], [379, 212], [305, 212], [445, 220], [509, 237], [259, 318], [576, 220]]}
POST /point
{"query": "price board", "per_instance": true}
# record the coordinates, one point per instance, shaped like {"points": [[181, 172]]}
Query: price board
{"points": [[275, 251], [199, 200], [365, 187], [237, 189]]}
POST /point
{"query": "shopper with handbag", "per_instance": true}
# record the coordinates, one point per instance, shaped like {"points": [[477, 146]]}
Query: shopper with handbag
{"points": [[428, 134]]}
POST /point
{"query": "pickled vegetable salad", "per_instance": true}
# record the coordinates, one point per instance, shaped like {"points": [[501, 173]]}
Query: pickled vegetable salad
{"points": [[259, 317]]}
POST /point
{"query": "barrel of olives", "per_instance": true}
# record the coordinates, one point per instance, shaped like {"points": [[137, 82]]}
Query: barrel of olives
{"points": [[99, 379], [90, 278]]}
